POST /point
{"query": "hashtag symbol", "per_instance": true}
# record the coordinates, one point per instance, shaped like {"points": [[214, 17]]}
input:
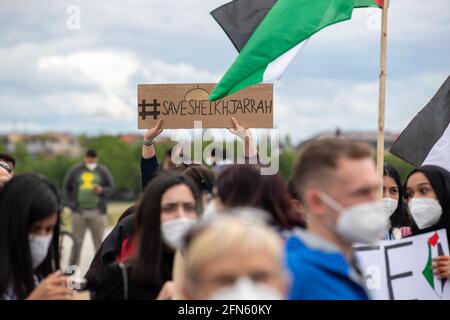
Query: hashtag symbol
{"points": [[155, 113]]}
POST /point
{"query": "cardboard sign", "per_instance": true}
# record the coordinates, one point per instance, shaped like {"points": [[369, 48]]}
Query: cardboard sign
{"points": [[179, 105], [401, 269]]}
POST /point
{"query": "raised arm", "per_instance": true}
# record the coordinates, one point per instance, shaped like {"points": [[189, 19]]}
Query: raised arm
{"points": [[149, 163], [250, 151]]}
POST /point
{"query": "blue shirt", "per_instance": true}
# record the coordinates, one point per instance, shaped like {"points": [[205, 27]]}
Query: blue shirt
{"points": [[319, 270]]}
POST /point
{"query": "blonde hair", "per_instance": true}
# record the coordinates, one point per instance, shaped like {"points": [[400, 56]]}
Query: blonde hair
{"points": [[229, 234]]}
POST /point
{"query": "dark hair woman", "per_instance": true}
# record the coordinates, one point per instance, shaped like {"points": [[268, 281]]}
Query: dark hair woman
{"points": [[204, 178], [29, 240], [394, 200], [428, 190], [244, 186], [169, 206]]}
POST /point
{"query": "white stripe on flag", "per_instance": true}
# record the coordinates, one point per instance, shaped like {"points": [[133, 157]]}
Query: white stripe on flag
{"points": [[439, 154], [276, 68]]}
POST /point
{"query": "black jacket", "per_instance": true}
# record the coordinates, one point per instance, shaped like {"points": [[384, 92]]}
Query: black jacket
{"points": [[111, 247], [111, 284]]}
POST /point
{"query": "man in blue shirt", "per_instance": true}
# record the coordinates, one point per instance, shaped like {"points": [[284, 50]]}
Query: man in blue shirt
{"points": [[339, 187]]}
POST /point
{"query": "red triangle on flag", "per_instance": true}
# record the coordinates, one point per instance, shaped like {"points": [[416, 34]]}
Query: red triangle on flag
{"points": [[433, 240], [379, 2]]}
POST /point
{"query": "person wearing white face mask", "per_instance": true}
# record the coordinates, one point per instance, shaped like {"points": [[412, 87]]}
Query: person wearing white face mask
{"points": [[428, 190], [120, 242], [29, 241], [231, 257], [338, 185], [86, 189], [400, 221], [170, 205]]}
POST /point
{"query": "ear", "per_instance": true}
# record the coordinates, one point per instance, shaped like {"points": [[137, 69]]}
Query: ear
{"points": [[314, 203]]}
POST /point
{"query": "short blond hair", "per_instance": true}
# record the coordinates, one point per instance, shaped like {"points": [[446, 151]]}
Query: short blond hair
{"points": [[229, 234], [319, 158]]}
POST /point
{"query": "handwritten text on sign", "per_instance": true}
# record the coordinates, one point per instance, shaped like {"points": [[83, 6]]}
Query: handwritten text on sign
{"points": [[179, 105]]}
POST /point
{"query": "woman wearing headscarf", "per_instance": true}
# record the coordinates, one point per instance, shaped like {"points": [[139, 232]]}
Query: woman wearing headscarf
{"points": [[428, 191]]}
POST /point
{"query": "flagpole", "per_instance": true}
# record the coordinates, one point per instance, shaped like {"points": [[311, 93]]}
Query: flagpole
{"points": [[382, 94]]}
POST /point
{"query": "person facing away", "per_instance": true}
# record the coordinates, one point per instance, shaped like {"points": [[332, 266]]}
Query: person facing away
{"points": [[396, 208], [244, 186], [234, 256], [29, 241], [170, 205], [428, 193], [86, 188], [338, 185]]}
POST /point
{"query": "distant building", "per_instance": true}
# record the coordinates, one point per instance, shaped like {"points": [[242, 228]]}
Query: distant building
{"points": [[45, 144], [131, 138], [369, 137]]}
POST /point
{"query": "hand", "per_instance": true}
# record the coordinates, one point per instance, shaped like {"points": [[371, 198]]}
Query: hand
{"points": [[52, 288], [166, 292], [97, 189], [245, 134], [441, 267], [239, 130], [152, 133]]}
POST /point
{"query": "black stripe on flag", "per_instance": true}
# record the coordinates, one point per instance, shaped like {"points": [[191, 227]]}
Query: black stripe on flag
{"points": [[415, 142], [240, 18]]}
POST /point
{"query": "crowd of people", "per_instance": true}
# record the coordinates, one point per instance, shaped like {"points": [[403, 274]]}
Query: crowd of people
{"points": [[220, 232]]}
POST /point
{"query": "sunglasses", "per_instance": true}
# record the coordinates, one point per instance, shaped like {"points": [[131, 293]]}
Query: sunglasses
{"points": [[5, 166]]}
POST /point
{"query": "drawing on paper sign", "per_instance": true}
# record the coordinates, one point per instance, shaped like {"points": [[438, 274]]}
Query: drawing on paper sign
{"points": [[196, 94], [155, 113], [434, 250]]}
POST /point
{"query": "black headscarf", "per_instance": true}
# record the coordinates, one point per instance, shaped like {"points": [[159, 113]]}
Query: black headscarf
{"points": [[440, 182]]}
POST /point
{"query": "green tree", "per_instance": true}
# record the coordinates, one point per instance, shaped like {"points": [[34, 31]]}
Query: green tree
{"points": [[403, 168]]}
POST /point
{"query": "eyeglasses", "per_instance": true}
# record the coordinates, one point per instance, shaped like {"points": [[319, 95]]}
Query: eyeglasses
{"points": [[5, 166]]}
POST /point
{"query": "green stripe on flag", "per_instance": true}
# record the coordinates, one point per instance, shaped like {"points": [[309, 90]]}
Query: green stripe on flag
{"points": [[288, 23], [428, 270]]}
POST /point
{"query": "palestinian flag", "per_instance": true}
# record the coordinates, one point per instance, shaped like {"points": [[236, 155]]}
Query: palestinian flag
{"points": [[240, 18], [426, 139], [271, 33], [434, 250]]}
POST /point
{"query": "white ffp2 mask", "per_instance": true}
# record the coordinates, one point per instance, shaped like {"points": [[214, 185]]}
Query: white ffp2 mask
{"points": [[246, 289], [173, 231], [91, 166], [362, 223], [39, 248], [426, 212], [390, 205]]}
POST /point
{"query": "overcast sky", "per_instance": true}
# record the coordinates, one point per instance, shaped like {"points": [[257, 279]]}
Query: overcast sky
{"points": [[55, 78]]}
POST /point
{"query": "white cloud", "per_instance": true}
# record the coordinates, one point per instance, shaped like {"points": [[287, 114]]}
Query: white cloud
{"points": [[164, 72], [107, 87], [110, 70], [351, 105]]}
